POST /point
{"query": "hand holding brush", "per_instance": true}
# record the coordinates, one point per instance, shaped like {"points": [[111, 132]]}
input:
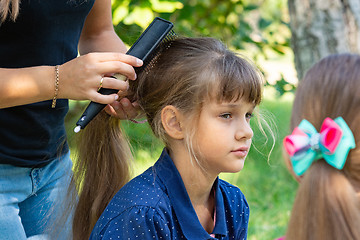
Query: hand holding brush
{"points": [[145, 48]]}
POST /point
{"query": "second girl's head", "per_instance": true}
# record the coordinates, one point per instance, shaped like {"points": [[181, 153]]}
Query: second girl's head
{"points": [[189, 73], [327, 203], [331, 89]]}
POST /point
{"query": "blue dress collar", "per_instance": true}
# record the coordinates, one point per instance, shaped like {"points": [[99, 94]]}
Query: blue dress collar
{"points": [[167, 172]]}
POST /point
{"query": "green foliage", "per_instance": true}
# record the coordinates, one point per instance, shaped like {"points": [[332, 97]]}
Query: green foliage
{"points": [[256, 28], [282, 86]]}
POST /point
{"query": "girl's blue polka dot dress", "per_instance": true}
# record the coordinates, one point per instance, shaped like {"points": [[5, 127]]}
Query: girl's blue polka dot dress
{"points": [[155, 205]]}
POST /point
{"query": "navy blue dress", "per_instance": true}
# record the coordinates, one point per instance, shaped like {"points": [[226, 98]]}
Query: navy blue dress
{"points": [[46, 32], [155, 205]]}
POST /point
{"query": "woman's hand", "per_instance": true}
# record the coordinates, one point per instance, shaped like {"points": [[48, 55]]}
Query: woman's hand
{"points": [[80, 78]]}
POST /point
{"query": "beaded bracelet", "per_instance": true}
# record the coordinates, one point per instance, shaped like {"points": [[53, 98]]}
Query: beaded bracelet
{"points": [[56, 86]]}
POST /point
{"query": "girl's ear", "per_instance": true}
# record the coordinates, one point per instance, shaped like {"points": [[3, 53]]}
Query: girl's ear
{"points": [[171, 119]]}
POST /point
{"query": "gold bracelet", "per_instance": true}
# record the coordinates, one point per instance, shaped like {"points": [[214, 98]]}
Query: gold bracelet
{"points": [[56, 86]]}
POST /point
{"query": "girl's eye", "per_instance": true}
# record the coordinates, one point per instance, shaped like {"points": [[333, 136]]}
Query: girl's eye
{"points": [[249, 115], [226, 115]]}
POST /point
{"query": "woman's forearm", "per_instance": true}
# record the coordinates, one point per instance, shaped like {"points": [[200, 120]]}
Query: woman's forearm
{"points": [[26, 85]]}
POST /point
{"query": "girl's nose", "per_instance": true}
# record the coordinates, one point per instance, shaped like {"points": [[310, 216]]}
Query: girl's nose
{"points": [[244, 131]]}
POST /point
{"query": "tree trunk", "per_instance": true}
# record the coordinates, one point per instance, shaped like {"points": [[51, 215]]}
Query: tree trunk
{"points": [[323, 27]]}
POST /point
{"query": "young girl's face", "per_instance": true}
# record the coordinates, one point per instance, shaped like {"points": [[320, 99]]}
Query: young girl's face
{"points": [[223, 136]]}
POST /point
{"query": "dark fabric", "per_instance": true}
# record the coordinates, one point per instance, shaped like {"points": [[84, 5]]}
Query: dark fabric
{"points": [[155, 205], [46, 32]]}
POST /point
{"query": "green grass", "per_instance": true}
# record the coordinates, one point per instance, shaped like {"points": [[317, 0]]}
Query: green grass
{"points": [[265, 181]]}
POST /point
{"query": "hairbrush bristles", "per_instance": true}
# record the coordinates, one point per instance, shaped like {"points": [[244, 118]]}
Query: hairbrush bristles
{"points": [[165, 44]]}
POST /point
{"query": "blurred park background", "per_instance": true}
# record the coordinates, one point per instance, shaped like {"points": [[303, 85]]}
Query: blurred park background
{"points": [[262, 31]]}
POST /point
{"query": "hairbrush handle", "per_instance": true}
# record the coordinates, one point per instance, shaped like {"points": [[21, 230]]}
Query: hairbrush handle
{"points": [[92, 110], [143, 49]]}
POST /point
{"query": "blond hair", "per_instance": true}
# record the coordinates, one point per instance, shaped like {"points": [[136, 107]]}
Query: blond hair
{"points": [[9, 8], [327, 205]]}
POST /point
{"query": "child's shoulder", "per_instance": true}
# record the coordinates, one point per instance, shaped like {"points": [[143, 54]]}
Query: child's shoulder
{"points": [[143, 190], [231, 192], [226, 186], [141, 199]]}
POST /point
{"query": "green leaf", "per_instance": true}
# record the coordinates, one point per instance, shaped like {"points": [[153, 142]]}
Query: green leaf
{"points": [[140, 16], [263, 23], [119, 14], [165, 6], [250, 7]]}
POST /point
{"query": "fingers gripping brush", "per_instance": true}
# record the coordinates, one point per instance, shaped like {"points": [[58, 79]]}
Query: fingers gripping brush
{"points": [[157, 33]]}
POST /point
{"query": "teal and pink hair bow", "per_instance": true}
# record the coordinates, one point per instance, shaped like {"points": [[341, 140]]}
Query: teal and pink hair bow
{"points": [[305, 145]]}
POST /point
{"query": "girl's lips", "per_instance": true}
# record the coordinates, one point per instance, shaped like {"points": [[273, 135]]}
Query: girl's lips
{"points": [[241, 152]]}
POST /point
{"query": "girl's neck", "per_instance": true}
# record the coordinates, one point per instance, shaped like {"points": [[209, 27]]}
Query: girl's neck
{"points": [[199, 187], [197, 181]]}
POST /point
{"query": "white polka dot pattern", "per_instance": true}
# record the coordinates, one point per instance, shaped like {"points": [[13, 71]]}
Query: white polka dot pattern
{"points": [[155, 205]]}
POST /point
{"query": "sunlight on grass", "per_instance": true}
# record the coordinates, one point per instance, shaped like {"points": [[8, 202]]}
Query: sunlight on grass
{"points": [[144, 160]]}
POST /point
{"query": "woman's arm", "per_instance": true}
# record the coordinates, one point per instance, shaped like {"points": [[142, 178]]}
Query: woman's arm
{"points": [[99, 35], [79, 78], [26, 85]]}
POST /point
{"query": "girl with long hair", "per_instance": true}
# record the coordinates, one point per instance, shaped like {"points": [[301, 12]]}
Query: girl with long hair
{"points": [[198, 98], [323, 151]]}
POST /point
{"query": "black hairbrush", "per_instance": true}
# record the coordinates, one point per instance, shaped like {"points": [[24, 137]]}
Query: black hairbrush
{"points": [[145, 47]]}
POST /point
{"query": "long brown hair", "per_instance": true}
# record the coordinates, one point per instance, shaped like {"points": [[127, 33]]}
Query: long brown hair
{"points": [[101, 168], [327, 205], [187, 72], [9, 8]]}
